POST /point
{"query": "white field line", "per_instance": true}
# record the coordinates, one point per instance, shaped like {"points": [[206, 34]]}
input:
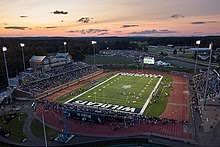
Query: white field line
{"points": [[91, 88], [150, 96]]}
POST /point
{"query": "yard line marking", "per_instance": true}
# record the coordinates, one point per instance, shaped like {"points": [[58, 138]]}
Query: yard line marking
{"points": [[92, 88], [150, 96]]}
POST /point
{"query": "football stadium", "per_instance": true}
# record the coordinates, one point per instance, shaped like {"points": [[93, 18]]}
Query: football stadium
{"points": [[110, 73], [61, 101], [84, 99]]}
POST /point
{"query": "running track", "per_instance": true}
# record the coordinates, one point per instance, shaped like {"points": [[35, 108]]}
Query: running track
{"points": [[177, 108]]}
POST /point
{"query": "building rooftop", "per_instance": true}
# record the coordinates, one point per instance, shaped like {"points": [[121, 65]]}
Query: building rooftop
{"points": [[37, 58], [62, 55], [199, 49]]}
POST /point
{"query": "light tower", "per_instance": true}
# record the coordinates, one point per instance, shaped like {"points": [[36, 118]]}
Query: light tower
{"points": [[94, 43], [22, 50], [198, 42], [4, 49], [44, 129], [65, 44], [207, 74]]}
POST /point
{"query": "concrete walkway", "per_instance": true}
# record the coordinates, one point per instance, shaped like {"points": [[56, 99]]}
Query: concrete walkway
{"points": [[27, 130], [31, 139]]}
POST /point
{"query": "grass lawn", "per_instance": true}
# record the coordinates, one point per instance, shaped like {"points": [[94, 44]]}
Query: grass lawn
{"points": [[122, 90], [159, 102], [37, 130], [108, 60], [14, 126], [4, 145], [156, 50], [188, 56]]}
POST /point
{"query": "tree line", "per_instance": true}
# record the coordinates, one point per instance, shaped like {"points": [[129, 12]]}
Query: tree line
{"points": [[79, 47]]}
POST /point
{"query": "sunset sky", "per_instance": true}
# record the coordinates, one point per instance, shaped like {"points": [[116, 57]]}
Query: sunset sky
{"points": [[109, 17]]}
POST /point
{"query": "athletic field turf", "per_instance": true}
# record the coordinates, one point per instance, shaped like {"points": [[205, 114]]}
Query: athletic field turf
{"points": [[123, 90]]}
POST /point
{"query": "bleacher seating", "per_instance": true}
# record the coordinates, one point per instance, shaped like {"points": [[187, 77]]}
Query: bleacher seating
{"points": [[40, 81]]}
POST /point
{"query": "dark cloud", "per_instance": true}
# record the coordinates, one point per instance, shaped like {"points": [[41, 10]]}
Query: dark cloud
{"points": [[23, 16], [202, 22], [103, 33], [60, 12], [50, 27], [129, 26], [16, 28], [85, 20], [72, 31], [89, 31], [145, 32], [177, 16]]}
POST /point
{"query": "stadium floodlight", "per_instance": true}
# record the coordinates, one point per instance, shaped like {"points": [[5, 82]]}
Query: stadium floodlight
{"points": [[22, 50], [94, 42], [198, 42], [22, 44], [4, 49]]}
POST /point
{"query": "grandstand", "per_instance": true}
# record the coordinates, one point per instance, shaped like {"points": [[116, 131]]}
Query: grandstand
{"points": [[207, 101], [213, 89], [43, 81], [46, 62]]}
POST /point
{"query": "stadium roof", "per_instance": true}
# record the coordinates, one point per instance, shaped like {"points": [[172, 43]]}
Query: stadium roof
{"points": [[199, 49], [62, 55], [37, 58], [204, 57]]}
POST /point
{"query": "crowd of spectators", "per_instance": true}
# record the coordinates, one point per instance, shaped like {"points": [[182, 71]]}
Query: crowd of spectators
{"points": [[101, 115], [205, 102], [213, 88], [199, 87], [41, 81]]}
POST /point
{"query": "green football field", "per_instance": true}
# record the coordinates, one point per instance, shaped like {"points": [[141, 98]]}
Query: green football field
{"points": [[122, 90]]}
